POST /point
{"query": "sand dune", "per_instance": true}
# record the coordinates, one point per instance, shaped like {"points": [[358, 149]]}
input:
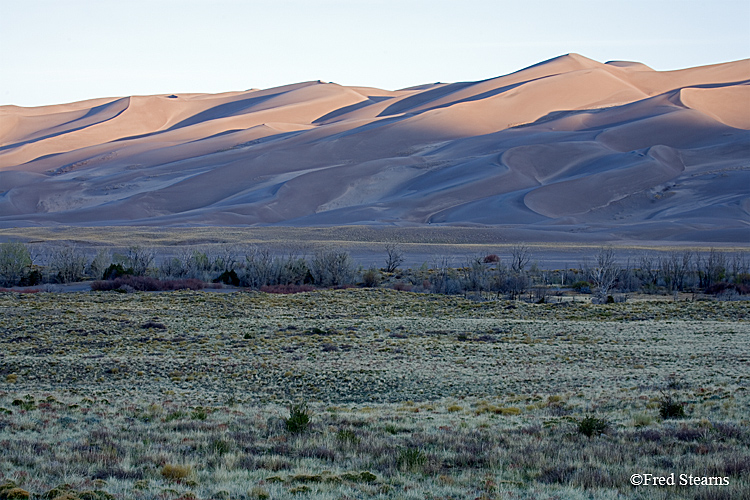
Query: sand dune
{"points": [[564, 147]]}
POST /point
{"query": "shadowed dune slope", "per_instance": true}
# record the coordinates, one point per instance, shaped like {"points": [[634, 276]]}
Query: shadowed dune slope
{"points": [[568, 148]]}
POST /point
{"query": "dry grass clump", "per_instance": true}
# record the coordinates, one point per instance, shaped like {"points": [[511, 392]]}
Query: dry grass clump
{"points": [[176, 473]]}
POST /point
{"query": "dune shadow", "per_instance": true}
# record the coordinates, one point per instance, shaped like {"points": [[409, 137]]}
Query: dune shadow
{"points": [[223, 110], [110, 110], [348, 109], [435, 94]]}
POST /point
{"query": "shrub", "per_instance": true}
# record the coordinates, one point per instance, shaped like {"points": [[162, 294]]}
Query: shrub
{"points": [[139, 259], [299, 418], [331, 268], [581, 286], [199, 413], [228, 278], [410, 459], [221, 447], [371, 278], [591, 426], [114, 271], [68, 264], [669, 408], [491, 258], [33, 277], [15, 262]]}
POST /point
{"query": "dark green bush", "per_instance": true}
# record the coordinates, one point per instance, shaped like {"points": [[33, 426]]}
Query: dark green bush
{"points": [[669, 408], [411, 459], [299, 418], [228, 278], [199, 413], [592, 426], [115, 271]]}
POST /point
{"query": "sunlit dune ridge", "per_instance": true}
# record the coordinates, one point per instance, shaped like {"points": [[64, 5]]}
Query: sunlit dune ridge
{"points": [[569, 146]]}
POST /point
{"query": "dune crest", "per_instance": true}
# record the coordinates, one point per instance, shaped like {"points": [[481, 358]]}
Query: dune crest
{"points": [[560, 149]]}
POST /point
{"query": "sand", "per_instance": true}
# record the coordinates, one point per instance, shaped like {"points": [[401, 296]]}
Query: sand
{"points": [[566, 145]]}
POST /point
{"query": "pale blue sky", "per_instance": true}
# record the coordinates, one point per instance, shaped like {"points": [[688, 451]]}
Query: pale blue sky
{"points": [[55, 51]]}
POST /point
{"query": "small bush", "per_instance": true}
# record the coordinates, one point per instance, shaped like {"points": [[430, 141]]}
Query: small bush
{"points": [[15, 262], [199, 413], [221, 447], [669, 408], [299, 418], [410, 459], [592, 426], [371, 278], [228, 278], [115, 271], [581, 286], [491, 258]]}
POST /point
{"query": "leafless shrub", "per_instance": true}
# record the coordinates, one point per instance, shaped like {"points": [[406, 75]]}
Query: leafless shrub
{"points": [[604, 273], [15, 262], [331, 268], [520, 255], [139, 259], [475, 275], [68, 264], [674, 269]]}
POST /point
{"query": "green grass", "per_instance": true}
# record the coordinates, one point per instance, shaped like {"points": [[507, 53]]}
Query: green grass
{"points": [[401, 408]]}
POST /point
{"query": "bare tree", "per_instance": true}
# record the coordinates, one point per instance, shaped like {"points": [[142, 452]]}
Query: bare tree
{"points": [[139, 259], [520, 255], [674, 269], [648, 269], [226, 258], [739, 266], [711, 268], [68, 264], [604, 274], [394, 257]]}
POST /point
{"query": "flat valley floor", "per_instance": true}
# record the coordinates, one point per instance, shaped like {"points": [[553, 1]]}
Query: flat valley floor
{"points": [[188, 394]]}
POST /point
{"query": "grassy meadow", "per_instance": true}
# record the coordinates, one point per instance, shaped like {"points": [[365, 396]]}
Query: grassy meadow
{"points": [[392, 394]]}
